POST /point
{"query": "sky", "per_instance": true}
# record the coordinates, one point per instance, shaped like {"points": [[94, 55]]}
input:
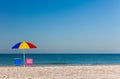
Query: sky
{"points": [[61, 25]]}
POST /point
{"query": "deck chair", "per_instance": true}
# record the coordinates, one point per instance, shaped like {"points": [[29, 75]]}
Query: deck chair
{"points": [[17, 62], [29, 61]]}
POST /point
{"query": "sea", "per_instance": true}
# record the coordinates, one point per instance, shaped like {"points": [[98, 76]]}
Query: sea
{"points": [[62, 59]]}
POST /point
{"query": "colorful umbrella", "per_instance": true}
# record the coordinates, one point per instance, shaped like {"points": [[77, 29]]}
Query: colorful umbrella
{"points": [[24, 45]]}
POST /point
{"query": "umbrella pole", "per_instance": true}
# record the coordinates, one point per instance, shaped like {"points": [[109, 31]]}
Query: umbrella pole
{"points": [[24, 58]]}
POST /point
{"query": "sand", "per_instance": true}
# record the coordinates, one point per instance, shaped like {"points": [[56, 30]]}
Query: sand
{"points": [[61, 72]]}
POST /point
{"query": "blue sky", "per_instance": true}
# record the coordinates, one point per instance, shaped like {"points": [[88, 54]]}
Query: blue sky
{"points": [[61, 25]]}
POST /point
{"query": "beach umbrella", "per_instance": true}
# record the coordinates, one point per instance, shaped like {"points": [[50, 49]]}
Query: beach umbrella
{"points": [[22, 46]]}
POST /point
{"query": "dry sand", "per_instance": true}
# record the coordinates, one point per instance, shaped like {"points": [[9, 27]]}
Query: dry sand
{"points": [[61, 72]]}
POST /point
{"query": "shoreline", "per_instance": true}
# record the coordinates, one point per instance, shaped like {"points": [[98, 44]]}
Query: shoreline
{"points": [[61, 72], [61, 65]]}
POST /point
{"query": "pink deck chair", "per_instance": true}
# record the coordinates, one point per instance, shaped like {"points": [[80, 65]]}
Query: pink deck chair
{"points": [[29, 61]]}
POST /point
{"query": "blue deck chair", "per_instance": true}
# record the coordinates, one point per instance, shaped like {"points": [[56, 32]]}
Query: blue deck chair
{"points": [[17, 62]]}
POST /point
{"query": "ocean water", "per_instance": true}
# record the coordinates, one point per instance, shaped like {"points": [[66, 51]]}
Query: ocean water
{"points": [[64, 59]]}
